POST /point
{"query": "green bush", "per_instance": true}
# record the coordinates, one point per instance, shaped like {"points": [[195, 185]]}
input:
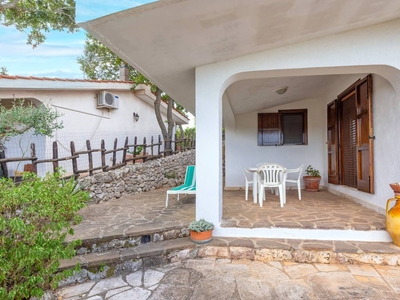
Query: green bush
{"points": [[35, 218], [201, 225]]}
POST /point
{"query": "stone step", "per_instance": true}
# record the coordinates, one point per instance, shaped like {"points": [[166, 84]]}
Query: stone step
{"points": [[131, 238], [125, 260]]}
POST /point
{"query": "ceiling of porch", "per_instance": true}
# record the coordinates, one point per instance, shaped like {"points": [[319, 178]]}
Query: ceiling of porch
{"points": [[256, 94], [168, 39]]}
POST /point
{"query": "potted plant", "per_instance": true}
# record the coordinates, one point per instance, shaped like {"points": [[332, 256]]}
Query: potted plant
{"points": [[312, 179], [201, 231]]}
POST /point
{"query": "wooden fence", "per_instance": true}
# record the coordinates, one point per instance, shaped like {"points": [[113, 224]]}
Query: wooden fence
{"points": [[149, 152]]}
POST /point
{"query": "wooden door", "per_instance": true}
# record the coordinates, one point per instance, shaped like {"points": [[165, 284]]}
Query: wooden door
{"points": [[365, 135]]}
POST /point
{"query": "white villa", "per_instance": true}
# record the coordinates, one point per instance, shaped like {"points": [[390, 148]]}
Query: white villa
{"points": [[225, 60]]}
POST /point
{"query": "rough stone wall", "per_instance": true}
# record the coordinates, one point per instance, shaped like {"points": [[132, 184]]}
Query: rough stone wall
{"points": [[140, 177]]}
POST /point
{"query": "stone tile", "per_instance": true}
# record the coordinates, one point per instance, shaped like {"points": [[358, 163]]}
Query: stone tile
{"points": [[223, 261], [107, 284], [376, 282], [254, 289], [242, 243], [134, 293], [177, 277], [276, 264], [299, 270], [78, 289], [363, 270], [391, 275], [117, 291], [340, 285], [168, 291], [152, 277], [135, 278], [219, 242], [345, 247], [379, 248], [294, 290], [265, 272], [233, 269], [317, 246], [272, 244], [215, 286], [330, 267], [363, 227]]}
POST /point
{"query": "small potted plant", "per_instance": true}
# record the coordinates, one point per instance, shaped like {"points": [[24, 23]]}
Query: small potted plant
{"points": [[312, 179], [201, 231]]}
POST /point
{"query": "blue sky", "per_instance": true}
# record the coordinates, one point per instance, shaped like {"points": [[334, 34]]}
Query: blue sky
{"points": [[56, 57]]}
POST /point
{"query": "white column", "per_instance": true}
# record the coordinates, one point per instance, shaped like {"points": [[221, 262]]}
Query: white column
{"points": [[208, 148]]}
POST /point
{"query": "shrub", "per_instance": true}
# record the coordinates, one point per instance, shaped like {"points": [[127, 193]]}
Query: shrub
{"points": [[310, 171], [35, 218], [201, 225]]}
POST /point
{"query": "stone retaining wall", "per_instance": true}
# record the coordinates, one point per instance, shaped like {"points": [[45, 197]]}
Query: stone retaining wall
{"points": [[141, 177]]}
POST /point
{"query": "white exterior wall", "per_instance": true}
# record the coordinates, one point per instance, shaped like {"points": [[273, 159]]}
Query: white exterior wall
{"points": [[83, 121], [369, 50]]}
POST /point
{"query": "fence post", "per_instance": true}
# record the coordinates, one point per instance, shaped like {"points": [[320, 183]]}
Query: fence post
{"points": [[152, 143], [144, 149], [33, 155], [115, 152], [124, 152], [103, 155], [90, 157], [159, 144], [3, 166], [134, 149], [74, 160], [55, 156]]}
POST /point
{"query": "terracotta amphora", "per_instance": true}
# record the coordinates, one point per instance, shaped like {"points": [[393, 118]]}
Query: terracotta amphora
{"points": [[393, 215]]}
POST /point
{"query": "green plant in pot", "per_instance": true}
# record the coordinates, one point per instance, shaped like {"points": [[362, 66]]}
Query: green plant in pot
{"points": [[201, 231], [312, 179]]}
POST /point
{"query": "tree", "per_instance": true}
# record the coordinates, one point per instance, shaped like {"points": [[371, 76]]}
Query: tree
{"points": [[35, 17], [3, 71], [99, 62], [22, 117]]}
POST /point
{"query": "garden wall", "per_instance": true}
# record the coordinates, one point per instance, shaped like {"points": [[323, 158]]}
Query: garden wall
{"points": [[140, 177]]}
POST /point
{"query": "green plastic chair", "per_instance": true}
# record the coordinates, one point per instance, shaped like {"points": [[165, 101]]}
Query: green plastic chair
{"points": [[188, 187]]}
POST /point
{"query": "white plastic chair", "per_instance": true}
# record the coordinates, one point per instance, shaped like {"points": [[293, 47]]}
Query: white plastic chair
{"points": [[248, 176], [271, 176], [295, 179]]}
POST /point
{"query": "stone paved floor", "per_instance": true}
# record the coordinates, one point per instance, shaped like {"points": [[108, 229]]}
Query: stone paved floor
{"points": [[225, 279], [147, 211], [138, 213], [320, 210]]}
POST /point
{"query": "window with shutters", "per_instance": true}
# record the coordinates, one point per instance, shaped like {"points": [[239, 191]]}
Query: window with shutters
{"points": [[286, 127]]}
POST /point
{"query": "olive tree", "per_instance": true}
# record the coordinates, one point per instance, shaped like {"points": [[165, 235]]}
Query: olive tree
{"points": [[23, 116]]}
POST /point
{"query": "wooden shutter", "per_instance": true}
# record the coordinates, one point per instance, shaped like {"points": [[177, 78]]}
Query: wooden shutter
{"points": [[333, 145], [268, 129], [348, 140], [365, 136]]}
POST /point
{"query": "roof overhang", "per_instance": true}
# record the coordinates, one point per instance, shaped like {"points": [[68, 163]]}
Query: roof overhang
{"points": [[168, 39], [9, 83]]}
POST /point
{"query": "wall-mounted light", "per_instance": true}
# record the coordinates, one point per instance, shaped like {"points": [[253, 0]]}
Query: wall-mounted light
{"points": [[136, 116], [281, 90]]}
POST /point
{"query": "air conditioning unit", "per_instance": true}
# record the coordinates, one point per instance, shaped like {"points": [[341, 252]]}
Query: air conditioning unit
{"points": [[107, 99]]}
